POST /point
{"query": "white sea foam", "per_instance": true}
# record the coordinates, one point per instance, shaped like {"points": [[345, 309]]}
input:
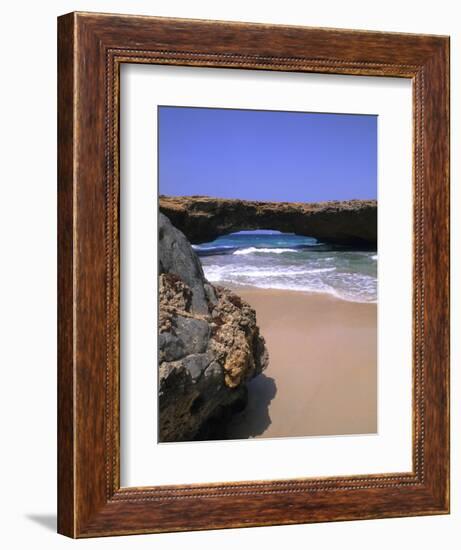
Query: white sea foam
{"points": [[321, 270], [216, 272], [253, 250], [211, 246], [347, 286], [318, 288], [255, 262]]}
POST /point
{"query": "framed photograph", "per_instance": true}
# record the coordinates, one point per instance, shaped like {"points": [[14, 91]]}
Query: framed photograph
{"points": [[253, 259]]}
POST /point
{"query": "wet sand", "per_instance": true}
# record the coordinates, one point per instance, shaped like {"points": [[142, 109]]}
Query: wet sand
{"points": [[322, 373]]}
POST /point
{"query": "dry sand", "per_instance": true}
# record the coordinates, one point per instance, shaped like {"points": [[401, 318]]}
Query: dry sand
{"points": [[322, 373]]}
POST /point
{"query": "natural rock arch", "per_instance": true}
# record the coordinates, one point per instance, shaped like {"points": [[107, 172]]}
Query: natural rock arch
{"points": [[203, 219]]}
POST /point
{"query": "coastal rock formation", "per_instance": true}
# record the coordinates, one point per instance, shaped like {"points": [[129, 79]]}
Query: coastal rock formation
{"points": [[209, 344], [203, 219]]}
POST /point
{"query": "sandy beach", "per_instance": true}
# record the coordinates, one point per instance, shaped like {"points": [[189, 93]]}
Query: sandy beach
{"points": [[322, 373]]}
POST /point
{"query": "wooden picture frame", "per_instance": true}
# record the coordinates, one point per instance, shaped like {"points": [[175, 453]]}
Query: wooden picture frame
{"points": [[91, 49]]}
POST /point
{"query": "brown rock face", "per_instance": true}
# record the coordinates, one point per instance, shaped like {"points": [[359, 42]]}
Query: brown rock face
{"points": [[203, 219], [209, 345]]}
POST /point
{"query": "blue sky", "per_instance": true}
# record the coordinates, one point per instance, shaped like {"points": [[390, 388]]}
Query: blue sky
{"points": [[267, 155]]}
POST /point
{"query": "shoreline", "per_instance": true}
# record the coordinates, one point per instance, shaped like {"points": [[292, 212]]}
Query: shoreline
{"points": [[257, 289], [322, 372]]}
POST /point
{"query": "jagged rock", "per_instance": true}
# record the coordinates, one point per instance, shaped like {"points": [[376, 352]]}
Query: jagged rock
{"points": [[177, 258], [203, 219], [209, 344]]}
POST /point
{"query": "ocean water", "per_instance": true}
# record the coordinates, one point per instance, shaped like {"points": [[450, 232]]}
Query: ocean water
{"points": [[292, 262]]}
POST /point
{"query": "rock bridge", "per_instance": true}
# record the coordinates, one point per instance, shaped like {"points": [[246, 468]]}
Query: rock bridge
{"points": [[203, 219]]}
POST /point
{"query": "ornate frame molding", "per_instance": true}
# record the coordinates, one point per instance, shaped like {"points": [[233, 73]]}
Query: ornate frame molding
{"points": [[91, 49]]}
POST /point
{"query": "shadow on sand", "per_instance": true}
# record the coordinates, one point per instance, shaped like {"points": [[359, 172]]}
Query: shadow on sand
{"points": [[255, 419]]}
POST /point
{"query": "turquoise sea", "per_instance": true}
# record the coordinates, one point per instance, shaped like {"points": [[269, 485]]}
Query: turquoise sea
{"points": [[269, 259]]}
